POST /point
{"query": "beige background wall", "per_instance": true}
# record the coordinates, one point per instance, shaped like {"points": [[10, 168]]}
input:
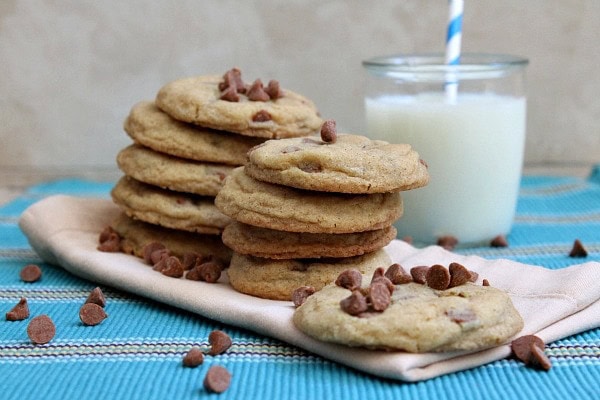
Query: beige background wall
{"points": [[71, 70]]}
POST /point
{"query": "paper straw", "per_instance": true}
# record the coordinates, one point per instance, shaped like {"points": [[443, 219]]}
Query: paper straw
{"points": [[453, 42]]}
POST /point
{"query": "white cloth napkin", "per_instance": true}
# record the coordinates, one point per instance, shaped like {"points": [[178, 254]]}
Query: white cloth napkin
{"points": [[64, 231]]}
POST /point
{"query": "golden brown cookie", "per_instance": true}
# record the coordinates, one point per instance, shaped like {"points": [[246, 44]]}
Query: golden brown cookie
{"points": [[277, 207], [169, 172], [269, 243], [149, 126], [277, 279]]}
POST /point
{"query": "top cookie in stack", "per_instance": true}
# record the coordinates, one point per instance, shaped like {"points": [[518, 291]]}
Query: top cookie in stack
{"points": [[186, 143], [306, 209]]}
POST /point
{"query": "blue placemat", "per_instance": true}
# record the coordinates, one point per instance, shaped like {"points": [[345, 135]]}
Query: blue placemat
{"points": [[136, 353]]}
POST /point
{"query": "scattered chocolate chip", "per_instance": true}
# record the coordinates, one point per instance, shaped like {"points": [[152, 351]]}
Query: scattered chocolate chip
{"points": [[473, 276], [447, 242], [459, 275], [41, 329], [159, 255], [329, 131], [419, 273], [111, 245], [261, 116], [209, 271], [193, 358], [92, 314], [97, 297], [485, 282], [106, 234], [172, 267], [257, 92], [350, 279], [219, 342], [233, 78], [230, 94], [398, 275], [578, 250], [149, 249], [217, 379], [386, 281], [19, 312], [302, 293], [499, 241], [438, 277], [190, 260], [379, 296], [193, 275], [530, 350], [273, 90], [355, 304], [30, 273]]}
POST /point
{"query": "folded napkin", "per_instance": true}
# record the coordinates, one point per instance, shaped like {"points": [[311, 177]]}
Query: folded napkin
{"points": [[64, 231]]}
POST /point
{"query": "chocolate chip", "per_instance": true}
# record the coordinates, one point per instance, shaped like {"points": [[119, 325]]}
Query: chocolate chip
{"points": [[159, 255], [354, 304], [438, 277], [473, 276], [261, 116], [172, 267], [290, 149], [386, 281], [97, 297], [209, 271], [329, 131], [379, 272], [379, 296], [302, 293], [530, 350], [578, 250], [273, 90], [190, 260], [398, 275], [41, 329], [112, 243], [461, 316], [19, 312], [459, 275], [219, 342], [233, 78], [419, 273], [217, 379], [256, 92], [193, 275], [193, 358], [91, 314], [447, 242], [230, 94], [150, 248], [106, 234], [30, 273], [350, 279], [485, 282], [310, 167], [499, 241]]}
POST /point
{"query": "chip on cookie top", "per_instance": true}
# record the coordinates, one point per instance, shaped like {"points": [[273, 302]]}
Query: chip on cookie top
{"points": [[347, 164], [217, 102]]}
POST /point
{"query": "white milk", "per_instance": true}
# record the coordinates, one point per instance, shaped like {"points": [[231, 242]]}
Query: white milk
{"points": [[474, 149]]}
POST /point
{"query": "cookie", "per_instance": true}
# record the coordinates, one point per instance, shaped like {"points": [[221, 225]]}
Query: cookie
{"points": [[197, 100], [149, 126], [136, 234], [419, 319], [350, 164], [282, 208], [168, 209], [269, 243], [169, 172], [277, 279]]}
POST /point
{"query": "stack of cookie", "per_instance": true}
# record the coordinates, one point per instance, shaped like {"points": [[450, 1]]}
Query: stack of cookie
{"points": [[306, 209], [186, 143]]}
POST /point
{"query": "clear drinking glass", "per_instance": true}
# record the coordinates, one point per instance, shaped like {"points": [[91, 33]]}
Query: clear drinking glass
{"points": [[473, 140]]}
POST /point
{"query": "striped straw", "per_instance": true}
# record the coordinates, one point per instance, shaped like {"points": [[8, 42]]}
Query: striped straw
{"points": [[453, 42]]}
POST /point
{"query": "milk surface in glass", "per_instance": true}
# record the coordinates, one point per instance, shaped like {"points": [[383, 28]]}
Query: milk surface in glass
{"points": [[474, 149]]}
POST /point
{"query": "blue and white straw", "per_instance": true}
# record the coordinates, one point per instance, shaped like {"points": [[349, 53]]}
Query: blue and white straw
{"points": [[453, 43]]}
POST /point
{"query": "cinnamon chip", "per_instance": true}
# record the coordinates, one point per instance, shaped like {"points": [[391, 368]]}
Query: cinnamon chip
{"points": [[499, 241], [41, 329], [447, 242], [578, 250], [530, 350], [193, 358], [261, 116], [217, 379], [379, 296], [219, 342], [419, 273], [30, 273], [302, 293], [91, 314], [329, 131], [149, 249], [19, 312], [438, 277], [273, 90], [354, 304], [459, 275], [256, 92], [398, 275], [350, 279], [97, 297]]}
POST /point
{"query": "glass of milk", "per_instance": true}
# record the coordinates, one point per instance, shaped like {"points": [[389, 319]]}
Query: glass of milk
{"points": [[471, 136]]}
